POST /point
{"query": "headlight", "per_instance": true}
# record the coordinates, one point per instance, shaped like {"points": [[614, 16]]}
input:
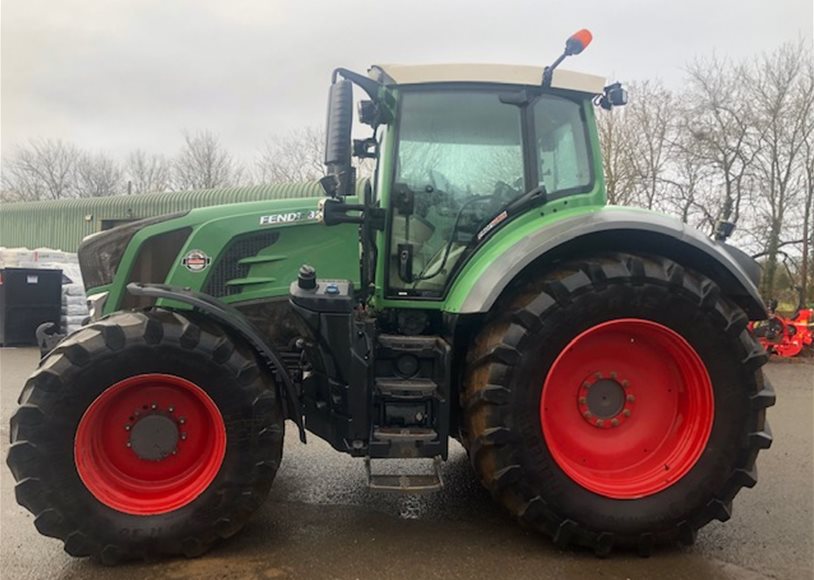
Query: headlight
{"points": [[100, 254]]}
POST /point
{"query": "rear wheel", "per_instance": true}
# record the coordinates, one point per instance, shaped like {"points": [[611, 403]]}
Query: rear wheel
{"points": [[617, 402], [145, 434], [641, 414]]}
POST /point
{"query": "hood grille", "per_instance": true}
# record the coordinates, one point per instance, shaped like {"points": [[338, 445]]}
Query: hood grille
{"points": [[227, 266]]}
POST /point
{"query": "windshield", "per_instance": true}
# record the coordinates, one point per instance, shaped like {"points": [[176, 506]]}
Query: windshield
{"points": [[459, 142], [460, 160]]}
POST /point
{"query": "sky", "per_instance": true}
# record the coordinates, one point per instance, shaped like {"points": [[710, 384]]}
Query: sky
{"points": [[113, 75]]}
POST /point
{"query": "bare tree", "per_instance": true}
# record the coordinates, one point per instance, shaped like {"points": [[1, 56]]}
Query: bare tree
{"points": [[42, 169], [807, 260], [203, 163], [783, 95], [296, 156], [719, 119], [98, 176], [617, 156], [651, 121], [689, 184], [147, 173]]}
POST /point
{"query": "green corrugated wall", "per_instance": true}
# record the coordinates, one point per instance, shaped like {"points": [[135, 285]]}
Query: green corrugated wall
{"points": [[63, 223]]}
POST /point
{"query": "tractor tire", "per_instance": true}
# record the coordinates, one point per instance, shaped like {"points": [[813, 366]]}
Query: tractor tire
{"points": [[145, 434], [617, 402]]}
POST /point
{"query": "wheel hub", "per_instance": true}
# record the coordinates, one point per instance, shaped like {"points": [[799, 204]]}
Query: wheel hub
{"points": [[154, 437], [605, 401]]}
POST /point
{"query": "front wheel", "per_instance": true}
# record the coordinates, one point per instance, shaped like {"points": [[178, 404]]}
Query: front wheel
{"points": [[618, 401], [145, 434]]}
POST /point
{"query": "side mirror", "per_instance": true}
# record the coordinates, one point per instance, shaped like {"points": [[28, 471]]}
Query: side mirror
{"points": [[338, 147]]}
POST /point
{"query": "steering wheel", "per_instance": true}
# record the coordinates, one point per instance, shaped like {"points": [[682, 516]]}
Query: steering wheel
{"points": [[439, 195], [438, 180], [505, 193]]}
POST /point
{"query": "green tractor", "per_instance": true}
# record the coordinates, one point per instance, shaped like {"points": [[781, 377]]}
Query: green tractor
{"points": [[594, 361]]}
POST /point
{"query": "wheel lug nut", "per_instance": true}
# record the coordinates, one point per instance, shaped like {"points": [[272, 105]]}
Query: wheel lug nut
{"points": [[598, 375], [631, 398], [183, 436], [127, 427], [613, 374], [599, 422], [171, 409], [583, 400], [154, 406], [586, 384], [615, 422], [587, 414], [625, 383], [626, 412], [182, 420], [128, 444]]}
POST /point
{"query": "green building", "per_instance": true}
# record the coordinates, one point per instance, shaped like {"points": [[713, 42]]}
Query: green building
{"points": [[62, 224]]}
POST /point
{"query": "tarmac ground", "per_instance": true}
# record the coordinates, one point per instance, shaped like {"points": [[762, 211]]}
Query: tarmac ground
{"points": [[321, 521]]}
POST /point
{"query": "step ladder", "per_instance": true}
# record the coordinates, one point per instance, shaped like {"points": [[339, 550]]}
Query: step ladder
{"points": [[408, 483], [410, 398]]}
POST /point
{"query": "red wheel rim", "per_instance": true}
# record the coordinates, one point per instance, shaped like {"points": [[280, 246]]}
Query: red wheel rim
{"points": [[627, 408], [150, 444]]}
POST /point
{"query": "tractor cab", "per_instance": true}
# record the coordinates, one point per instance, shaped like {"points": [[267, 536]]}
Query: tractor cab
{"points": [[460, 150], [470, 141]]}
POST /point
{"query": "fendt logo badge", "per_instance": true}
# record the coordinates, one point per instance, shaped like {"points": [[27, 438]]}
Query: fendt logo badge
{"points": [[196, 261], [287, 218], [280, 218]]}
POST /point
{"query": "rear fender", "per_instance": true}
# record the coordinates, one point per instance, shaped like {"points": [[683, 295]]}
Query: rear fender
{"points": [[616, 229]]}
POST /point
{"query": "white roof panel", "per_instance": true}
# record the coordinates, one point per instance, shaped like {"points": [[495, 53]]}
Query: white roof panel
{"points": [[485, 73]]}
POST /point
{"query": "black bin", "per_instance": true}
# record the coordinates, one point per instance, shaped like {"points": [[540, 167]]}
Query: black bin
{"points": [[28, 297]]}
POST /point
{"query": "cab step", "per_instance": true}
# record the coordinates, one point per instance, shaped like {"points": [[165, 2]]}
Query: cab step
{"points": [[397, 388], [410, 397], [404, 434], [405, 482]]}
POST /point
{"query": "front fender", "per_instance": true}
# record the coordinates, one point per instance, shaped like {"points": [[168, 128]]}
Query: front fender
{"points": [[230, 318], [601, 230]]}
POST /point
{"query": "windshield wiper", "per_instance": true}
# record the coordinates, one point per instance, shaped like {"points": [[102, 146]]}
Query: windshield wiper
{"points": [[532, 198]]}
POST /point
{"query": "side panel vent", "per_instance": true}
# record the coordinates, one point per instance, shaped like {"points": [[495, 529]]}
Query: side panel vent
{"points": [[227, 267], [155, 259]]}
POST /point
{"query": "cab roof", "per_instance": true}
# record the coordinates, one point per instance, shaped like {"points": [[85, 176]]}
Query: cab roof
{"points": [[398, 74]]}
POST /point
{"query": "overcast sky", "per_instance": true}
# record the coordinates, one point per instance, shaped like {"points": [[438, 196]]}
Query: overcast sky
{"points": [[114, 75]]}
